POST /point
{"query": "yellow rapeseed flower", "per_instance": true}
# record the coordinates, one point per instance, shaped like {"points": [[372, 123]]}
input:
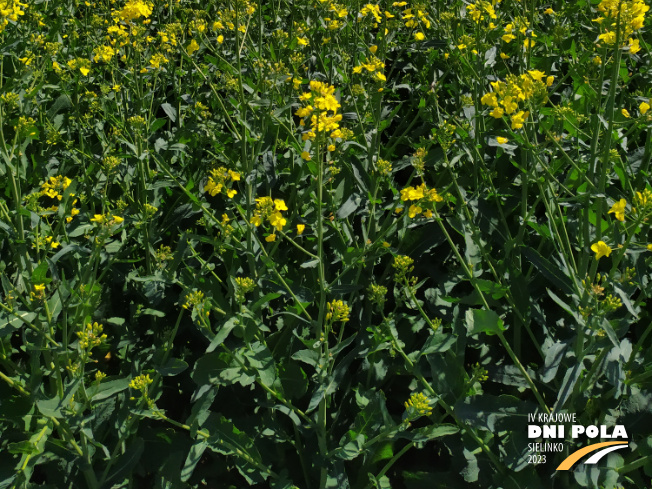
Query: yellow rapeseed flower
{"points": [[192, 47], [618, 209], [418, 404], [600, 249]]}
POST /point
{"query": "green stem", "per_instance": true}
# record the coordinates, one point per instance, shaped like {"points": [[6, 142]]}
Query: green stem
{"points": [[391, 462], [509, 350]]}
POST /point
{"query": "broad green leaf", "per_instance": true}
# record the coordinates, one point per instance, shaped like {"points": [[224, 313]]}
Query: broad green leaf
{"points": [[126, 462], [52, 407], [170, 111], [229, 440], [174, 366], [222, 334], [193, 458], [483, 321], [107, 389]]}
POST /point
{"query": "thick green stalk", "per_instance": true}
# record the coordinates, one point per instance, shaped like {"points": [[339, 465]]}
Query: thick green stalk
{"points": [[322, 432]]}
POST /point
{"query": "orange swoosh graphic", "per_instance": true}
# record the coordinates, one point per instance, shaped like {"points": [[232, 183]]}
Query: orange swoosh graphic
{"points": [[575, 456]]}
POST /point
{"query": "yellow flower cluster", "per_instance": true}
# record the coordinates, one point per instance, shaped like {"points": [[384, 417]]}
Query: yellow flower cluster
{"points": [[404, 265], [134, 9], [632, 16], [414, 20], [226, 18], [337, 311], [81, 64], [157, 60], [506, 96], [339, 12], [195, 298], [43, 242], [371, 10], [244, 286], [106, 219], [372, 65], [269, 210], [482, 9], [140, 383], [377, 294], [643, 201], [219, 180], [383, 167], [26, 126], [196, 302], [10, 10], [103, 53], [168, 35], [520, 25], [91, 336], [55, 187], [419, 405], [38, 294], [192, 47], [422, 197], [324, 102]]}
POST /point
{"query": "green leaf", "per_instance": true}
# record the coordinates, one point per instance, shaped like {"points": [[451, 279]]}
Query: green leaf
{"points": [[550, 271], [52, 407], [174, 366], [62, 102], [260, 358], [264, 300], [156, 125], [8, 326], [294, 380], [229, 440], [483, 321], [353, 448], [153, 312], [428, 433], [55, 305], [438, 343], [383, 452], [39, 275], [310, 357], [107, 389], [170, 111], [222, 334], [215, 368], [193, 458], [310, 263], [337, 478], [126, 462], [350, 206], [496, 291]]}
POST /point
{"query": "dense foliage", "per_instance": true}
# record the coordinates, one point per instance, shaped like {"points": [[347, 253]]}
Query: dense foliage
{"points": [[316, 244]]}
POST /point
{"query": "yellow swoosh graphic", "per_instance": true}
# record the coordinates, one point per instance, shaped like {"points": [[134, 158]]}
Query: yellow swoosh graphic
{"points": [[575, 456]]}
